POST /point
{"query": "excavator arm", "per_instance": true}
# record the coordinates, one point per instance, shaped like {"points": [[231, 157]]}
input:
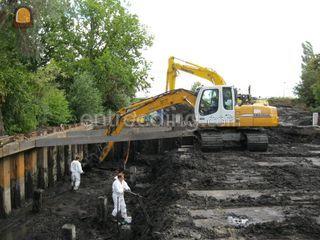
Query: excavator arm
{"points": [[143, 108], [206, 73]]}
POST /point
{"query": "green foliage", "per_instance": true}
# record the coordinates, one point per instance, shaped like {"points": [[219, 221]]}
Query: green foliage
{"points": [[316, 92], [104, 40], [19, 110], [195, 86], [308, 89], [54, 107], [16, 86], [80, 56], [51, 102], [84, 97]]}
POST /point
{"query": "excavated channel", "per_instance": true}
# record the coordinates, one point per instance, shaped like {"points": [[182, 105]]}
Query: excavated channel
{"points": [[189, 194], [233, 194]]}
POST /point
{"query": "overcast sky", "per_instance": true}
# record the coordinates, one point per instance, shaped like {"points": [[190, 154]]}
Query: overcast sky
{"points": [[255, 42]]}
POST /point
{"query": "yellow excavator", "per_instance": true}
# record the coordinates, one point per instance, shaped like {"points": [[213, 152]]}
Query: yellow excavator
{"points": [[219, 121]]}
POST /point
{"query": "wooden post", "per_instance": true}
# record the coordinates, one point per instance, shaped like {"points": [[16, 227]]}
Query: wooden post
{"points": [[315, 119], [52, 166], [5, 194], [37, 200], [74, 152], [80, 151], [102, 209], [20, 175], [67, 159], [42, 155], [133, 172], [30, 162], [17, 179], [85, 152], [68, 232], [60, 163]]}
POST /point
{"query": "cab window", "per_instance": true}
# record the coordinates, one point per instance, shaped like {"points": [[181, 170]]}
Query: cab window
{"points": [[209, 102], [227, 98]]}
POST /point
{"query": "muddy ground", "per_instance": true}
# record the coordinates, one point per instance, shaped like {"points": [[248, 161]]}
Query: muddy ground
{"points": [[190, 194], [276, 193]]}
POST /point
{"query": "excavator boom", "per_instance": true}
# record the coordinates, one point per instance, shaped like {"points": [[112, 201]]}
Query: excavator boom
{"points": [[202, 72], [143, 108]]}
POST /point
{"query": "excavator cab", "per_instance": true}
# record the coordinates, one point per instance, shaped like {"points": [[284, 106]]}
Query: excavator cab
{"points": [[215, 106]]}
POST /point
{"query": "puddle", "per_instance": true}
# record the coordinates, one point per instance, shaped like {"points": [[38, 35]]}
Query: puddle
{"points": [[225, 194], [243, 179], [237, 221], [270, 164], [312, 145], [185, 156], [315, 152], [180, 150], [211, 218], [315, 161]]}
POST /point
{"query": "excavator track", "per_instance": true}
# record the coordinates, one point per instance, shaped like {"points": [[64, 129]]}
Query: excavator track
{"points": [[211, 141], [257, 142], [217, 140]]}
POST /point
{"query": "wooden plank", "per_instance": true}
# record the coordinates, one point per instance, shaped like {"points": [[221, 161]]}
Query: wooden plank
{"points": [[90, 137], [46, 142], [26, 145], [16, 147], [100, 132]]}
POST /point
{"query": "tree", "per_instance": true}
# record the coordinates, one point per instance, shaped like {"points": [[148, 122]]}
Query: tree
{"points": [[16, 85], [308, 88], [85, 51], [19, 53], [54, 108], [195, 86], [103, 39], [51, 102], [84, 97]]}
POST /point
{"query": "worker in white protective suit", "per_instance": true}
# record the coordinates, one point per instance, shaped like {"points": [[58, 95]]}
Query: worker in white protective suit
{"points": [[119, 186], [76, 171]]}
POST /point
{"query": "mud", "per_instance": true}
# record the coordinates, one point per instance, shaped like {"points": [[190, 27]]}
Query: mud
{"points": [[189, 194], [292, 189]]}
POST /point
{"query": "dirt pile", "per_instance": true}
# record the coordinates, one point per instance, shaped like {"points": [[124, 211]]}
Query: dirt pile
{"points": [[294, 116]]}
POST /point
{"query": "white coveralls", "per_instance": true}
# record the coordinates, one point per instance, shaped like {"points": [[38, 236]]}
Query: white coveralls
{"points": [[118, 189], [76, 170]]}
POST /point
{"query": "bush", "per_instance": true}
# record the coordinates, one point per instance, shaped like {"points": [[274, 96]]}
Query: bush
{"points": [[84, 97], [19, 109], [54, 107]]}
